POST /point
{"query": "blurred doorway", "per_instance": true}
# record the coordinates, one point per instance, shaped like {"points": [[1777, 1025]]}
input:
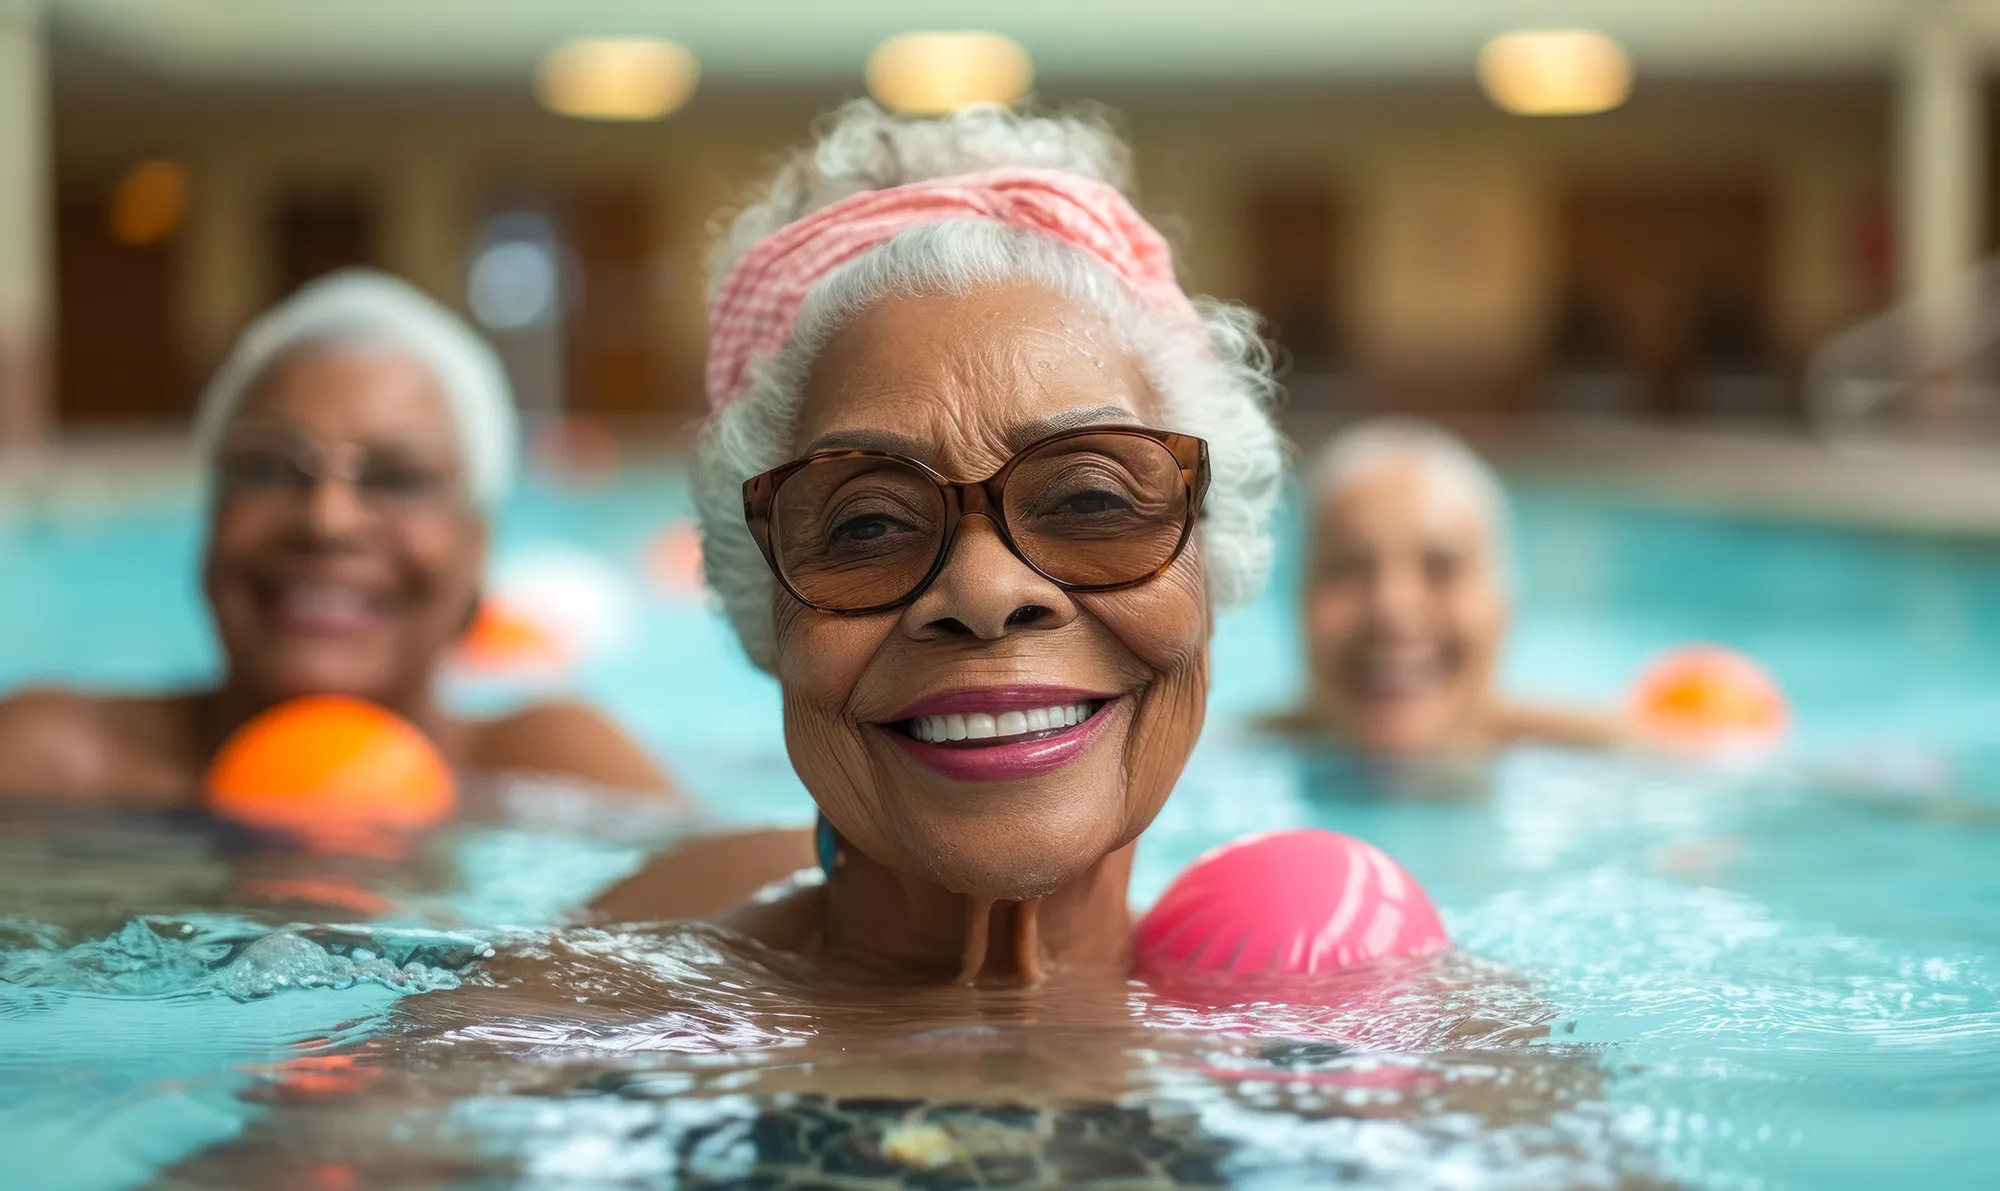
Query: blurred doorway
{"points": [[515, 289], [116, 359], [1294, 239], [319, 231], [614, 335], [1665, 306]]}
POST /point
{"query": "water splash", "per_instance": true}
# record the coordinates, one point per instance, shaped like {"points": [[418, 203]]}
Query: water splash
{"points": [[235, 958]]}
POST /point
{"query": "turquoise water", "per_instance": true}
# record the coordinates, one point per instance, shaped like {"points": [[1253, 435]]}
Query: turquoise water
{"points": [[1773, 975]]}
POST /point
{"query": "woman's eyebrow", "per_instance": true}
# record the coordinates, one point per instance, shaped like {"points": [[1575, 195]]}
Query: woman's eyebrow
{"points": [[871, 440], [1028, 433], [1023, 435]]}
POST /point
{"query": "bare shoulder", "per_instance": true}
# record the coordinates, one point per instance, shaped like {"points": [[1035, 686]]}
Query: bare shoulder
{"points": [[566, 738], [707, 875], [1294, 722], [1570, 727], [55, 741]]}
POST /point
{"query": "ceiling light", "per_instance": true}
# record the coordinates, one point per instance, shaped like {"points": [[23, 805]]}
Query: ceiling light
{"points": [[1555, 72], [936, 73], [616, 78], [148, 202]]}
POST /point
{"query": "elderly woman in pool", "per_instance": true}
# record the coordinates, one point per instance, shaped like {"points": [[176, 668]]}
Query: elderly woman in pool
{"points": [[977, 477], [358, 438], [1405, 606]]}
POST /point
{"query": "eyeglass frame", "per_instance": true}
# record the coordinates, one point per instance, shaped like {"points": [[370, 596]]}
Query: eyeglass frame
{"points": [[981, 498], [317, 463]]}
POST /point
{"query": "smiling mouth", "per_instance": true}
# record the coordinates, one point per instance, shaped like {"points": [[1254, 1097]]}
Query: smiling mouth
{"points": [[1398, 673], [981, 729], [321, 607]]}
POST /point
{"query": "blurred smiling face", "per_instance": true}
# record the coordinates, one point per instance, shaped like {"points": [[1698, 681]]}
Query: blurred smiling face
{"points": [[343, 557], [997, 735], [1404, 610]]}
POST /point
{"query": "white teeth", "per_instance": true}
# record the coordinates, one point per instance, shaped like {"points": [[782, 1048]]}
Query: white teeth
{"points": [[983, 726], [323, 599], [324, 603], [1396, 672]]}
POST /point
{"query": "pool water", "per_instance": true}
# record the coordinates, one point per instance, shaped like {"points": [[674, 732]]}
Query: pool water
{"points": [[1771, 974]]}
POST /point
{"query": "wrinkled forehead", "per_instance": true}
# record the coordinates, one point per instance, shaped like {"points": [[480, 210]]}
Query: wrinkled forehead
{"points": [[963, 381], [357, 392], [1404, 498]]}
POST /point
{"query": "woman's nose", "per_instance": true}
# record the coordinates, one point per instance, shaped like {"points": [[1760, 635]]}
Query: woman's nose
{"points": [[1396, 593], [986, 592], [333, 507]]}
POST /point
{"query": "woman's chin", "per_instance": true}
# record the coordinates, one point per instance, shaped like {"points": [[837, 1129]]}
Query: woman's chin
{"points": [[1016, 859], [1010, 885], [299, 681], [1407, 733]]}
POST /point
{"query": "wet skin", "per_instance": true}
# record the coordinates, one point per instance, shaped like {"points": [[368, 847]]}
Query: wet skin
{"points": [[326, 590], [1404, 611], [942, 876], [1405, 614]]}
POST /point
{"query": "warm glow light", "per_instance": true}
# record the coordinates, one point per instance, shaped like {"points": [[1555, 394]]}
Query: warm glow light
{"points": [[1555, 72], [616, 78], [935, 73], [148, 202]]}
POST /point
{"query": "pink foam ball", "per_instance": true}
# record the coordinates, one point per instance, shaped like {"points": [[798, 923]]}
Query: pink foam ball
{"points": [[1303, 901]]}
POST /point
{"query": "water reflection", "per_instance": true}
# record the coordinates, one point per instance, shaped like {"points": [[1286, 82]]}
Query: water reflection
{"points": [[1667, 973], [691, 1057]]}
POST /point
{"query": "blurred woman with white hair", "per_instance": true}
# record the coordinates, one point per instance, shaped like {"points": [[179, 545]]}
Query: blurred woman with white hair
{"points": [[1405, 607], [356, 441]]}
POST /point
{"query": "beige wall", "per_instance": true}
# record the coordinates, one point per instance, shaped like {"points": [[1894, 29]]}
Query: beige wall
{"points": [[1452, 239], [25, 265], [1452, 245]]}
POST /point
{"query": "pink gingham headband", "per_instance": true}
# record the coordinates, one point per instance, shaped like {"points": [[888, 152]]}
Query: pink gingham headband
{"points": [[753, 313]]}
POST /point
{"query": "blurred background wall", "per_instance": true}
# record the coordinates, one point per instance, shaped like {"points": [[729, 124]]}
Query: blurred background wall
{"points": [[1779, 170]]}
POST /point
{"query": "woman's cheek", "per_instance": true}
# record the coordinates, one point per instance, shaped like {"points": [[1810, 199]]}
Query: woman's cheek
{"points": [[1481, 623], [820, 661], [1165, 626], [1164, 623], [821, 658], [442, 566]]}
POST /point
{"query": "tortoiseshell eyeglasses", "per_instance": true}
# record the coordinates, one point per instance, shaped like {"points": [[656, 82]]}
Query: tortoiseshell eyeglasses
{"points": [[1094, 509]]}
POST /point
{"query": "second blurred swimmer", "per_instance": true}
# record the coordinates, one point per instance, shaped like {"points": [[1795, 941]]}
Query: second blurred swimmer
{"points": [[1405, 609], [356, 441]]}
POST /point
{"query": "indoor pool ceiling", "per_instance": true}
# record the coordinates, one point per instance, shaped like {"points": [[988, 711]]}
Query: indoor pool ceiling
{"points": [[782, 40]]}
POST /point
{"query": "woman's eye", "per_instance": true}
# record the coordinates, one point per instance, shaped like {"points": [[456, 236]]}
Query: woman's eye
{"points": [[868, 527], [1096, 501], [1441, 569], [400, 481], [1343, 571], [1084, 502], [262, 470]]}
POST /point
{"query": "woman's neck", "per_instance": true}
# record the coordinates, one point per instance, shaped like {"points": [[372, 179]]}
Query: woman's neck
{"points": [[890, 925], [234, 704], [1478, 725]]}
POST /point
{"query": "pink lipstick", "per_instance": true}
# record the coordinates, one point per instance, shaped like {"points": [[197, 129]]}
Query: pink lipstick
{"points": [[1000, 733]]}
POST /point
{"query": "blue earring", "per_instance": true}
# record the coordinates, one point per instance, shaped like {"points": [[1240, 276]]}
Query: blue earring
{"points": [[827, 844]]}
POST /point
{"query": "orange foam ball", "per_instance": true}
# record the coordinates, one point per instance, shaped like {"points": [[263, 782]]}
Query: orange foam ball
{"points": [[505, 638], [1708, 696], [673, 561], [576, 449], [334, 771]]}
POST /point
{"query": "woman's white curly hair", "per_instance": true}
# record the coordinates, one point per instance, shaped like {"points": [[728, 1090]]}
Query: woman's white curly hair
{"points": [[1221, 390]]}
